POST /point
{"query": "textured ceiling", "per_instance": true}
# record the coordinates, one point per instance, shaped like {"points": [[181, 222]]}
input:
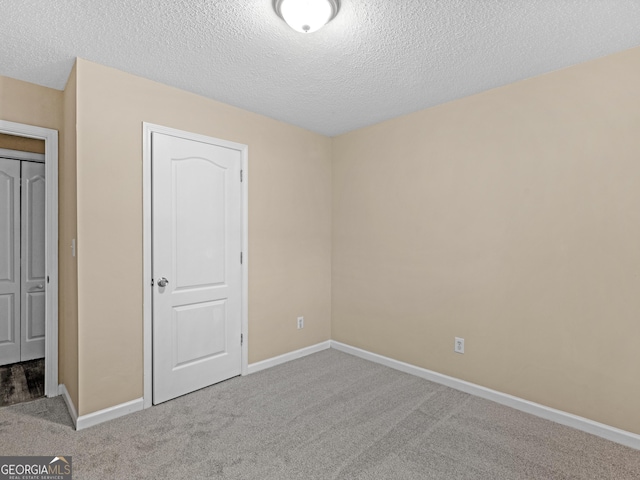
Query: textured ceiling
{"points": [[376, 60]]}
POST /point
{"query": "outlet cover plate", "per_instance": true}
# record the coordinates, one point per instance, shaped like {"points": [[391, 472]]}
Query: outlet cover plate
{"points": [[458, 345]]}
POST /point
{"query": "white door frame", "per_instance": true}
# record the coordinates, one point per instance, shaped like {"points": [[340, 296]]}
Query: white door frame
{"points": [[50, 138], [147, 130]]}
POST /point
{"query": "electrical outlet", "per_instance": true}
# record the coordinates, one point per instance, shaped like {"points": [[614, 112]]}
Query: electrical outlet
{"points": [[300, 322], [458, 346]]}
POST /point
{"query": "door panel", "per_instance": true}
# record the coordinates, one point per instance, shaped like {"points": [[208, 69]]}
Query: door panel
{"points": [[200, 246], [7, 326], [196, 219], [33, 261], [9, 261], [35, 306], [199, 331]]}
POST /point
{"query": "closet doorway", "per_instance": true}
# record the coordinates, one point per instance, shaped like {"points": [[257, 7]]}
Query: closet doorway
{"points": [[22, 265], [29, 250]]}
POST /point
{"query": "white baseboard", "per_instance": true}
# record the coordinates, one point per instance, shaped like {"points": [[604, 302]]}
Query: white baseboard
{"points": [[62, 390], [287, 357], [580, 423], [85, 421], [111, 413]]}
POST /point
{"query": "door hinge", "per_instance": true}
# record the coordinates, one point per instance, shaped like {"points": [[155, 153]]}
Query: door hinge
{"points": [[152, 283], [241, 339], [47, 278], [240, 258], [241, 175]]}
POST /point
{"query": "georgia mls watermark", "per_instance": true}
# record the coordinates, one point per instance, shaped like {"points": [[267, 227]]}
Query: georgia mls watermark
{"points": [[35, 468]]}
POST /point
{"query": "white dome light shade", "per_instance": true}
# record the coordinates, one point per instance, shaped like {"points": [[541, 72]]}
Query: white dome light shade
{"points": [[306, 16]]}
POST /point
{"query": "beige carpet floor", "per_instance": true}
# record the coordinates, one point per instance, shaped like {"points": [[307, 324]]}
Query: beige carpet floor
{"points": [[326, 416]]}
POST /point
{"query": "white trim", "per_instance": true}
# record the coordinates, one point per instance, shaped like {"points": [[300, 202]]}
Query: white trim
{"points": [[62, 390], [287, 357], [147, 309], [579, 423], [50, 138], [111, 413], [19, 155], [245, 261]]}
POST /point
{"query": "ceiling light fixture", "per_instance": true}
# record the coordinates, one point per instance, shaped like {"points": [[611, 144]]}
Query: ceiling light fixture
{"points": [[306, 16]]}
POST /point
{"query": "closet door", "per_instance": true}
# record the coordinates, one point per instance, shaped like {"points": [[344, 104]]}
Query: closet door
{"points": [[33, 261], [9, 261]]}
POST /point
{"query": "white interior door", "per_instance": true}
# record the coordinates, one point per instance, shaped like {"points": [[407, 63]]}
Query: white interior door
{"points": [[33, 264], [197, 234], [9, 261]]}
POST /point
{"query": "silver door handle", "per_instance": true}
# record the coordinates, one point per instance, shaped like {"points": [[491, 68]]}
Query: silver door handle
{"points": [[163, 282], [37, 288]]}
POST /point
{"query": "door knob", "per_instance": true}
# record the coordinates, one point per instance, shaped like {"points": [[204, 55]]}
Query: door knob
{"points": [[163, 282]]}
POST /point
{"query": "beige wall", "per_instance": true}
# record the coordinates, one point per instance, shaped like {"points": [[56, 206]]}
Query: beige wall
{"points": [[30, 104], [67, 230], [509, 218], [289, 225], [23, 144]]}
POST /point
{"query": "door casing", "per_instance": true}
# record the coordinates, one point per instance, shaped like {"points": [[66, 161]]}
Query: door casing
{"points": [[50, 138], [147, 130]]}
